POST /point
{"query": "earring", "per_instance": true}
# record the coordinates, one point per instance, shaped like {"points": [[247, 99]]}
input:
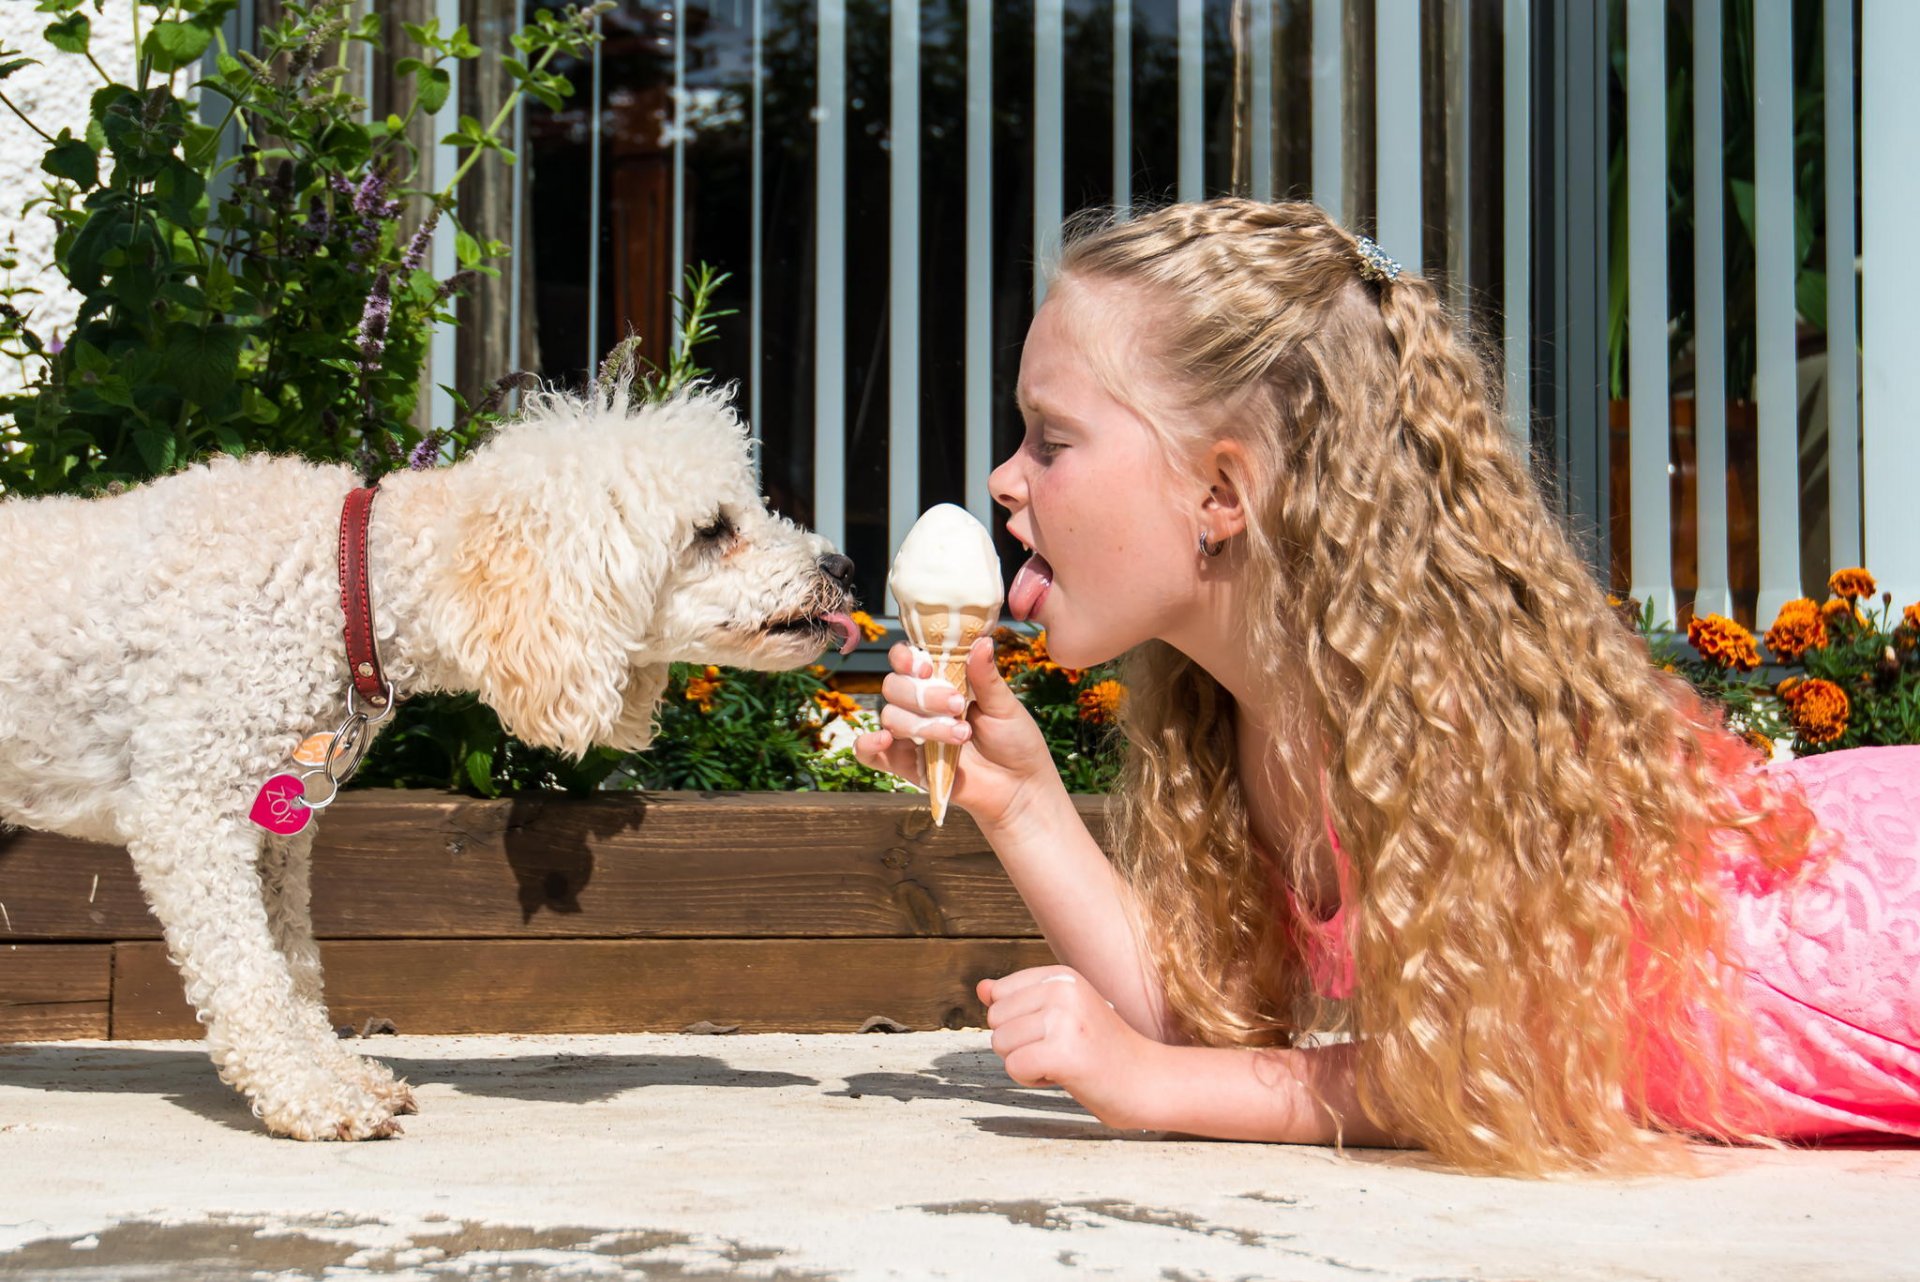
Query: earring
{"points": [[1215, 550]]}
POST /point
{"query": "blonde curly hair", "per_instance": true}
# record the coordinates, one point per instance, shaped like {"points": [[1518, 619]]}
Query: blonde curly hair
{"points": [[1529, 807]]}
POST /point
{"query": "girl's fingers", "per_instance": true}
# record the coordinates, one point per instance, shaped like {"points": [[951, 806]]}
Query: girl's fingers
{"points": [[1024, 1031], [1019, 979], [923, 695], [881, 751], [1011, 1005], [907, 661], [903, 723], [990, 690], [1028, 1065]]}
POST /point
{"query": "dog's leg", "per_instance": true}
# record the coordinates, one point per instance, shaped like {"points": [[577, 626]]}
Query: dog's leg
{"points": [[285, 880], [204, 885]]}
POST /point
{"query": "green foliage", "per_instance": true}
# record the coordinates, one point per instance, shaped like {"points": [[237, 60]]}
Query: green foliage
{"points": [[726, 729], [1069, 705], [1858, 688], [278, 298]]}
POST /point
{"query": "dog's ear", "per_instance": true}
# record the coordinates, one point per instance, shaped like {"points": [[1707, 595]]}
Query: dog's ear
{"points": [[633, 730], [553, 594]]}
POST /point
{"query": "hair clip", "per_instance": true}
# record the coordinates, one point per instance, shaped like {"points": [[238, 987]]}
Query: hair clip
{"points": [[1374, 263]]}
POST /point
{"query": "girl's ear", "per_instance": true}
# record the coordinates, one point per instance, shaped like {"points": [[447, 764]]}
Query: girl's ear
{"points": [[1223, 508]]}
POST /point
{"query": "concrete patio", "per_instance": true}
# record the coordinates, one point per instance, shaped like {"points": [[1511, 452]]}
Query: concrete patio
{"points": [[842, 1157]]}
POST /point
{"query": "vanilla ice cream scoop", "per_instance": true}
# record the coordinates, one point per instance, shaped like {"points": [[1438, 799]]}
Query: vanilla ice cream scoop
{"points": [[947, 559], [946, 581]]}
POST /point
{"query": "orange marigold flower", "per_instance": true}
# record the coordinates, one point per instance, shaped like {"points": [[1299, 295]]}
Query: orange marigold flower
{"points": [[836, 704], [701, 689], [1039, 660], [816, 670], [868, 628], [1758, 742], [1720, 640], [1010, 652], [1102, 702], [1851, 584], [1839, 608], [1908, 634], [1798, 628], [1818, 710]]}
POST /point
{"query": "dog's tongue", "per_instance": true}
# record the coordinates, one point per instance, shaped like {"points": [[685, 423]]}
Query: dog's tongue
{"points": [[845, 623], [1029, 585]]}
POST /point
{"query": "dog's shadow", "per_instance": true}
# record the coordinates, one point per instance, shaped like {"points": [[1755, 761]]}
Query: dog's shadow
{"points": [[185, 1078], [552, 866]]}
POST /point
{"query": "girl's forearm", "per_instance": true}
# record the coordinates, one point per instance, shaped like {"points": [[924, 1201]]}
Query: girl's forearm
{"points": [[1082, 905], [1303, 1096]]}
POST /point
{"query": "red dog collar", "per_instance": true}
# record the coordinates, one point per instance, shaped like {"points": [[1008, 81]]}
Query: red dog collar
{"points": [[356, 600]]}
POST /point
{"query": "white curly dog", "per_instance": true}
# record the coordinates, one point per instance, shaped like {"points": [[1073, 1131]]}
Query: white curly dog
{"points": [[162, 651]]}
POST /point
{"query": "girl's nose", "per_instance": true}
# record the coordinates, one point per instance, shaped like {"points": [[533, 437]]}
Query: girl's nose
{"points": [[1006, 485]]}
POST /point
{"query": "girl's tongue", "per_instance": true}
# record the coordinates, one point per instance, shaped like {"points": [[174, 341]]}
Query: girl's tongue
{"points": [[1029, 588]]}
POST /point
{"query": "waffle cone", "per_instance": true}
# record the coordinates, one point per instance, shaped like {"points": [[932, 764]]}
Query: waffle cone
{"points": [[946, 633]]}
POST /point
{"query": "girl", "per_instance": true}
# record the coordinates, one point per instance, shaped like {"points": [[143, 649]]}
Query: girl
{"points": [[1414, 844]]}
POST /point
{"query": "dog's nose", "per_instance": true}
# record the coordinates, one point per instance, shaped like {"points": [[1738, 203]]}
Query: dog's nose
{"points": [[838, 568]]}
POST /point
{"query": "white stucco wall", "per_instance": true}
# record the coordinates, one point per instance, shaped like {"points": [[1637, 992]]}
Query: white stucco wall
{"points": [[53, 94]]}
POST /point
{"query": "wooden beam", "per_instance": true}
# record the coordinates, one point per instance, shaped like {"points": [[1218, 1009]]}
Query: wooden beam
{"points": [[392, 864], [607, 986], [52, 992]]}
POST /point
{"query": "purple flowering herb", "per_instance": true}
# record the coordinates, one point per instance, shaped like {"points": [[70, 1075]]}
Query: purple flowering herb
{"points": [[417, 247], [374, 318], [427, 453]]}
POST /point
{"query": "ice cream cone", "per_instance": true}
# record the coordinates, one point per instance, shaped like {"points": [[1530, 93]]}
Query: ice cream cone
{"points": [[946, 633]]}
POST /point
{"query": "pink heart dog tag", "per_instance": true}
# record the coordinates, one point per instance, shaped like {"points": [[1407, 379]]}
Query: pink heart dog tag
{"points": [[281, 806]]}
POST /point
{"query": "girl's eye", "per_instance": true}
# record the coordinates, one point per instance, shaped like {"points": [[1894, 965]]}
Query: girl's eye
{"points": [[715, 530]]}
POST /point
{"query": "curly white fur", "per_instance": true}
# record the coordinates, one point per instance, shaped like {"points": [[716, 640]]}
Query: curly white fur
{"points": [[163, 650]]}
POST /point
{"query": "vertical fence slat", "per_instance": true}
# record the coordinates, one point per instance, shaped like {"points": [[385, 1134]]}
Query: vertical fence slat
{"points": [[1516, 58], [1843, 369], [1049, 127], [592, 353], [1329, 109], [1396, 95], [1648, 436], [1260, 105], [903, 272], [1193, 153], [1122, 104], [1460, 125], [1774, 302], [756, 363], [517, 233], [1890, 326], [979, 342], [830, 280], [1714, 595], [443, 367], [678, 191]]}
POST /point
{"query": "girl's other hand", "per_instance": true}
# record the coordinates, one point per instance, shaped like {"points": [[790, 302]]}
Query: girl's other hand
{"points": [[1052, 1028], [1004, 764]]}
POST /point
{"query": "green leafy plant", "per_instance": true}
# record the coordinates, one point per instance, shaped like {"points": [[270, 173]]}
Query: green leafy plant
{"points": [[1841, 674], [1077, 709], [277, 298]]}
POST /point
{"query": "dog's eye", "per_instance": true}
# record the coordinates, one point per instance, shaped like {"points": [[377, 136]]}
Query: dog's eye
{"points": [[714, 530]]}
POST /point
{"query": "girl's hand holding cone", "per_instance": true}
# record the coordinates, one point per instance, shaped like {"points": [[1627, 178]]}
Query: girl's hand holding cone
{"points": [[1003, 761]]}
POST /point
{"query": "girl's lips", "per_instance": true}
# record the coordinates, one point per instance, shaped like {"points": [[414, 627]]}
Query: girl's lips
{"points": [[1029, 588]]}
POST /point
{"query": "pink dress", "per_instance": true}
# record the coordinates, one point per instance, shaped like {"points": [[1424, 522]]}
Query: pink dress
{"points": [[1830, 965]]}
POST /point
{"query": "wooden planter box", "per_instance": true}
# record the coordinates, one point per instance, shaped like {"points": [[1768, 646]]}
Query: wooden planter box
{"points": [[796, 912]]}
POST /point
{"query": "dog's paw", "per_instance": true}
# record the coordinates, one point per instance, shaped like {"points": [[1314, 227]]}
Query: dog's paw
{"points": [[347, 1113], [378, 1080]]}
